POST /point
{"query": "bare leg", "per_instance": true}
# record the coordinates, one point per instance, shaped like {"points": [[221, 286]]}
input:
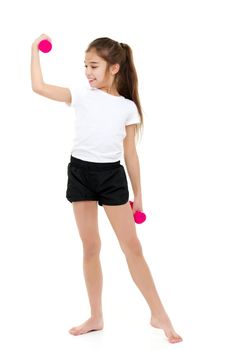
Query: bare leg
{"points": [[142, 277], [86, 219], [122, 221], [94, 283]]}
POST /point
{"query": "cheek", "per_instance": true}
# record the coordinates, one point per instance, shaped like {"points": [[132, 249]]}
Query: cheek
{"points": [[100, 75]]}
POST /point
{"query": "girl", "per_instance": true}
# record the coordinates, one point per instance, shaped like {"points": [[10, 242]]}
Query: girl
{"points": [[108, 116]]}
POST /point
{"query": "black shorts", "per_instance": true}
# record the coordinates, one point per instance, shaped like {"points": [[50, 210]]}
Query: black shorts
{"points": [[102, 182]]}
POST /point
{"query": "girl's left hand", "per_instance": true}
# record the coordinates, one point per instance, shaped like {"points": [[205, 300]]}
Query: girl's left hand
{"points": [[137, 204]]}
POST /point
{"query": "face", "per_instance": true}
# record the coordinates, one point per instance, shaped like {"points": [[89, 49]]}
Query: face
{"points": [[96, 71]]}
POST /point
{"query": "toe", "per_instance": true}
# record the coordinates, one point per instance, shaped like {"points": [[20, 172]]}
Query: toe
{"points": [[175, 339], [75, 331], [172, 340]]}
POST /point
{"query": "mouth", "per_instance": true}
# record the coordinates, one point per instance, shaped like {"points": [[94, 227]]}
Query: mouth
{"points": [[91, 80]]}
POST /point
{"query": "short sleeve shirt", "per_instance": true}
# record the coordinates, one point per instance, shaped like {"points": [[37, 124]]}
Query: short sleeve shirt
{"points": [[99, 124]]}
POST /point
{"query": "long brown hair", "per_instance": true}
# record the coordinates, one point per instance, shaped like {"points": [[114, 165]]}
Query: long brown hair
{"points": [[126, 79]]}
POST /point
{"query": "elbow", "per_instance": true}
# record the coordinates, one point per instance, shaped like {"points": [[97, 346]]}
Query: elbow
{"points": [[37, 88]]}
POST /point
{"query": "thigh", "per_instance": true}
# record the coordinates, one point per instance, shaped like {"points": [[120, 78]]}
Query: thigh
{"points": [[123, 224], [113, 187], [86, 217], [78, 184]]}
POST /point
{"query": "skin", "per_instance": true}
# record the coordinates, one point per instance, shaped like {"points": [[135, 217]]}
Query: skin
{"points": [[96, 68], [121, 219]]}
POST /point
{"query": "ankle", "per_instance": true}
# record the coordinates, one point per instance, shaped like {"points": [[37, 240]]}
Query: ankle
{"points": [[97, 316], [159, 314]]}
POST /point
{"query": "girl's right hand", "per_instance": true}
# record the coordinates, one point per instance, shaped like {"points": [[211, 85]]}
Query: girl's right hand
{"points": [[41, 37]]}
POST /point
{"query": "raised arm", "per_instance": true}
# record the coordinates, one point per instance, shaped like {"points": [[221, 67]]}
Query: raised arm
{"points": [[53, 92]]}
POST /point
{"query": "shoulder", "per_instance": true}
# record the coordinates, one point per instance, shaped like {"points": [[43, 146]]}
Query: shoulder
{"points": [[78, 92], [133, 116], [79, 89], [129, 104]]}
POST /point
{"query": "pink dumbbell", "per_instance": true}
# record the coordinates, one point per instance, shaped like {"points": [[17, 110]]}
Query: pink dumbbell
{"points": [[45, 45], [139, 216]]}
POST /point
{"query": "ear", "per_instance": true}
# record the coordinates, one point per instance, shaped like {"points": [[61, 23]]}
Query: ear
{"points": [[115, 68]]}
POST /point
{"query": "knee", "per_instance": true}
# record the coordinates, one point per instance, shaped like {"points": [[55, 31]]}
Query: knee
{"points": [[91, 248], [132, 247]]}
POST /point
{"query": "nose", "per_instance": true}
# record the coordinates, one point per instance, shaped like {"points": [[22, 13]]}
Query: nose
{"points": [[88, 70]]}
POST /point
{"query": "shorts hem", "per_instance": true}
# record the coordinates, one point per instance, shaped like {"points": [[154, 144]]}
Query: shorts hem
{"points": [[118, 203], [81, 199]]}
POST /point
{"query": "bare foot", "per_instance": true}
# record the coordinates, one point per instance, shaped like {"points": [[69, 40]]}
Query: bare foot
{"points": [[163, 322], [92, 324]]}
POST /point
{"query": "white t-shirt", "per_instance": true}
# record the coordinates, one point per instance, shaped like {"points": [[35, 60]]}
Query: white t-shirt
{"points": [[99, 124]]}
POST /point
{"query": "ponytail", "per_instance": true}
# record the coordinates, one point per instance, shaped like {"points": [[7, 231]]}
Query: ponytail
{"points": [[126, 79], [127, 82]]}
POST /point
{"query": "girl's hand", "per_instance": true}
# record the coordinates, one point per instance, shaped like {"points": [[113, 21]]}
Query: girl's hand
{"points": [[41, 37], [137, 204]]}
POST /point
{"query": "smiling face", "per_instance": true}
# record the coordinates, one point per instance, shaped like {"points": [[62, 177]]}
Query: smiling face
{"points": [[97, 73]]}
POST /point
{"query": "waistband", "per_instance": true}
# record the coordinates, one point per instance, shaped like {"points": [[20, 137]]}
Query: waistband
{"points": [[93, 165]]}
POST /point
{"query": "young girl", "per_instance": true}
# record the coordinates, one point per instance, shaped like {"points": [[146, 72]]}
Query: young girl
{"points": [[108, 116]]}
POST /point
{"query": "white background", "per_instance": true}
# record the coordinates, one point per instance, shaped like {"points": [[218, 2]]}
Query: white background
{"points": [[183, 56]]}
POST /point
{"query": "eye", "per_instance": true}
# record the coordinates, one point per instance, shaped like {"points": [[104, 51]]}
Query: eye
{"points": [[91, 67]]}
